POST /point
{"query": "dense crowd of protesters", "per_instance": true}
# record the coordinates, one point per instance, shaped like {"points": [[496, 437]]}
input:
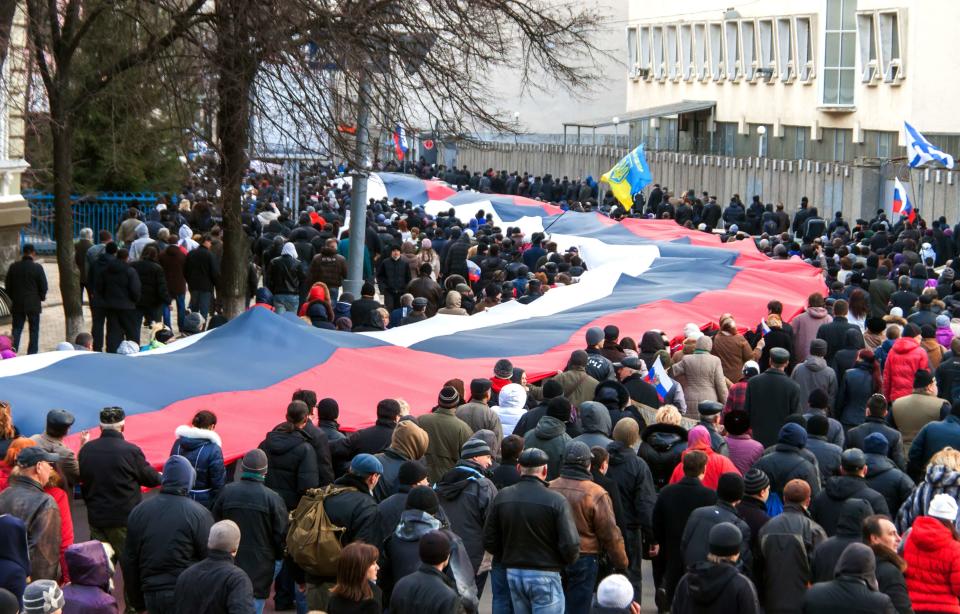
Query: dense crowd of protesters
{"points": [[810, 463]]}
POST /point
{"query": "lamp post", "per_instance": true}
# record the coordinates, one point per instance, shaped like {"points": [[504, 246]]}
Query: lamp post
{"points": [[616, 131], [761, 132]]}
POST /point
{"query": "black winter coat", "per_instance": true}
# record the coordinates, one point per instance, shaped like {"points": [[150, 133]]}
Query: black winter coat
{"points": [[852, 592], [771, 397], [112, 470], [354, 510], [890, 579], [426, 591], [786, 543], [888, 480], [642, 392], [215, 585], [201, 270], [670, 514], [153, 284], [856, 387], [695, 543], [636, 486], [321, 446], [393, 275], [165, 535], [455, 262], [827, 506], [661, 446], [26, 285], [825, 556], [835, 334], [262, 517], [292, 463], [531, 527], [786, 463], [715, 588], [285, 276], [754, 513], [371, 440], [118, 286], [856, 436]]}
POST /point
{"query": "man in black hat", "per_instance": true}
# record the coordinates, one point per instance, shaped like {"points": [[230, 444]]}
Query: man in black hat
{"points": [[59, 422], [25, 499], [578, 385], [753, 507], [850, 484], [532, 535], [694, 542], [418, 313], [428, 589], [447, 433], [855, 582], [112, 473], [710, 419], [630, 373], [771, 397], [393, 275], [262, 517], [716, 585], [27, 287]]}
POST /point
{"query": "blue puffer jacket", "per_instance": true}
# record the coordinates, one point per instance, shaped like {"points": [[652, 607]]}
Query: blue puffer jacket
{"points": [[203, 449]]}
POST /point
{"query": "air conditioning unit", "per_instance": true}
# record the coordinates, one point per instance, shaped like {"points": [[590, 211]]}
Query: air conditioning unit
{"points": [[894, 73]]}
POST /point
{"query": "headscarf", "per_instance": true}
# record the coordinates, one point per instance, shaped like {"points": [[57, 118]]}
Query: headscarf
{"points": [[289, 250], [186, 238]]}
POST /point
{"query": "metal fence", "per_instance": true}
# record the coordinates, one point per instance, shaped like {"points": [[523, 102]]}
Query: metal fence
{"points": [[100, 211]]}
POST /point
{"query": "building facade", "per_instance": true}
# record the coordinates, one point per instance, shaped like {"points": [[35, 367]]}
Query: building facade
{"points": [[14, 211], [823, 80]]}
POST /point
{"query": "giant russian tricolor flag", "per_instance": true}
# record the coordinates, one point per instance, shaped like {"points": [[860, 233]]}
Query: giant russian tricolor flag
{"points": [[643, 274]]}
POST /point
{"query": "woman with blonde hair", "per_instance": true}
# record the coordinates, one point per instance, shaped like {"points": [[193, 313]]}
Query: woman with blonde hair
{"points": [[356, 590], [663, 443], [8, 430], [942, 476]]}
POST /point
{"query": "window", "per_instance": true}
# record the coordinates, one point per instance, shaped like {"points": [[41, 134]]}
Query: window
{"points": [[645, 49], [632, 52], [804, 54], [688, 66], [668, 134], [866, 33], [734, 59], [718, 66], [785, 57], [837, 143], [884, 144], [748, 43], [890, 46], [765, 57], [700, 51], [800, 144], [658, 71], [670, 40], [839, 61]]}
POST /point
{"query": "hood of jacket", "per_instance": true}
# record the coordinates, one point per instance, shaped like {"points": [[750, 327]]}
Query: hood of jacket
{"points": [[905, 345], [409, 440], [13, 541], [620, 453], [859, 562], [549, 428], [179, 476], [141, 231], [185, 233], [651, 342], [414, 524], [453, 300], [698, 438], [192, 438], [663, 437], [708, 580], [595, 418], [89, 565], [817, 313], [623, 395], [283, 438], [842, 487], [878, 464], [815, 363], [928, 535], [512, 396], [939, 476], [456, 480], [852, 513], [289, 249]]}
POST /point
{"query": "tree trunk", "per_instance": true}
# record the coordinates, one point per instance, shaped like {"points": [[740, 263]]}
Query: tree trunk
{"points": [[63, 222], [237, 66]]}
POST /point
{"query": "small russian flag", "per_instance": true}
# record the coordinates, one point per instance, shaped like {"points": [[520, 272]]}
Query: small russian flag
{"points": [[400, 141], [763, 327], [901, 202], [658, 378]]}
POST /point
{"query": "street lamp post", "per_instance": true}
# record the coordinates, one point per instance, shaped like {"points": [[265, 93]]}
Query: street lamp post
{"points": [[761, 132], [616, 131]]}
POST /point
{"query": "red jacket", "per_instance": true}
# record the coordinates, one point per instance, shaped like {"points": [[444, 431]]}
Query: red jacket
{"points": [[717, 465], [933, 567], [906, 357]]}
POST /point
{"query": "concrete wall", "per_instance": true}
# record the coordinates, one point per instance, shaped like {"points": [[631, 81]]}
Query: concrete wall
{"points": [[856, 189]]}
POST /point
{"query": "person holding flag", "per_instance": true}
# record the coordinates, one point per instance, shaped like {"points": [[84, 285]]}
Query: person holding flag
{"points": [[901, 202], [628, 177], [400, 142]]}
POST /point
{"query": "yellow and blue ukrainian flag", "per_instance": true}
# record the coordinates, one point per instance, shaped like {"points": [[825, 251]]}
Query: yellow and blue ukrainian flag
{"points": [[628, 177]]}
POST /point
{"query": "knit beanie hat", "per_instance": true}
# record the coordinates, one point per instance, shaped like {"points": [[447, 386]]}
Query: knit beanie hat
{"points": [[737, 422], [474, 448], [725, 539], [615, 591], [559, 408], [755, 481], [434, 548], [328, 409], [423, 498], [503, 369], [42, 597], [876, 443], [730, 487], [626, 431], [8, 601], [793, 434], [552, 388], [943, 506], [943, 320], [254, 463], [410, 473], [448, 398]]}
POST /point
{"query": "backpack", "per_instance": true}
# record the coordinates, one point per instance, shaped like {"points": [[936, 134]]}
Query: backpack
{"points": [[313, 541], [774, 504]]}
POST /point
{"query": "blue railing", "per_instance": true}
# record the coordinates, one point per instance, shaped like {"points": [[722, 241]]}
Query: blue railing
{"points": [[99, 211]]}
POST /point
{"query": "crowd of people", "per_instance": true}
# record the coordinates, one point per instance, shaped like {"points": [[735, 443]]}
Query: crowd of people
{"points": [[810, 463]]}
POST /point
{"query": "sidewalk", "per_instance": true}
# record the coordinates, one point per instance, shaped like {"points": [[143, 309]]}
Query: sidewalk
{"points": [[52, 324]]}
